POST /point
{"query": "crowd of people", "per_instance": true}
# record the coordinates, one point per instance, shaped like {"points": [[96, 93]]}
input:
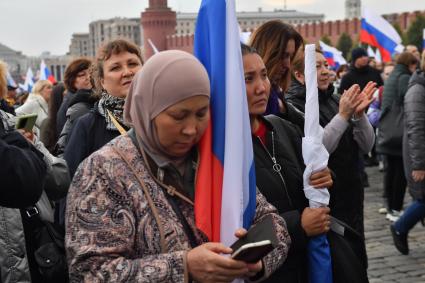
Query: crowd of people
{"points": [[102, 188]]}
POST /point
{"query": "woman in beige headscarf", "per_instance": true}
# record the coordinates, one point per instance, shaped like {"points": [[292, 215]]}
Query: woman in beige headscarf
{"points": [[130, 210]]}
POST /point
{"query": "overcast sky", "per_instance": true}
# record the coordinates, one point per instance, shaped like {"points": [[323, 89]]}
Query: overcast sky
{"points": [[34, 26]]}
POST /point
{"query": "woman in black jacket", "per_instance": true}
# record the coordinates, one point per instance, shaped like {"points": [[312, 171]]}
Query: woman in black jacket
{"points": [[414, 158], [355, 134], [115, 66], [279, 171]]}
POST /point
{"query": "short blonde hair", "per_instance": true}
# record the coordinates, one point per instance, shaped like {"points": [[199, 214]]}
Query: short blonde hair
{"points": [[3, 79], [40, 85]]}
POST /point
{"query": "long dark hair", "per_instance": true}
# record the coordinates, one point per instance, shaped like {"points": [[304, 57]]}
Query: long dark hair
{"points": [[270, 40], [55, 102]]}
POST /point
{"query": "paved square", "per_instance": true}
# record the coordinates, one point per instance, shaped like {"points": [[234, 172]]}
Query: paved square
{"points": [[386, 264]]}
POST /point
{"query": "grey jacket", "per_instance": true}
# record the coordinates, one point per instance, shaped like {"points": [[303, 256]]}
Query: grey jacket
{"points": [[13, 261], [414, 133]]}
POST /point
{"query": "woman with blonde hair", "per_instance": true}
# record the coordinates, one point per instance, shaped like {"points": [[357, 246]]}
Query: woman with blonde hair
{"points": [[37, 102]]}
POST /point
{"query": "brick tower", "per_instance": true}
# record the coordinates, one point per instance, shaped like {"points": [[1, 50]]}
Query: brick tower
{"points": [[158, 21]]}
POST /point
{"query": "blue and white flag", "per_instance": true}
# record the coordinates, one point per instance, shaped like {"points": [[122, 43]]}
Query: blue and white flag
{"points": [[29, 81]]}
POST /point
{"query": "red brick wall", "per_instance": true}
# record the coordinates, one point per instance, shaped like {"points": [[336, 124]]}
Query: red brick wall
{"points": [[312, 33], [184, 43], [333, 29]]}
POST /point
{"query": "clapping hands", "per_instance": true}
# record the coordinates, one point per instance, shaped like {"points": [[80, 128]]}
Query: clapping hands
{"points": [[355, 102]]}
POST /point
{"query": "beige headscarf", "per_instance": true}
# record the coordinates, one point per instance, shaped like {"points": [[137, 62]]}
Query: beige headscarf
{"points": [[167, 78]]}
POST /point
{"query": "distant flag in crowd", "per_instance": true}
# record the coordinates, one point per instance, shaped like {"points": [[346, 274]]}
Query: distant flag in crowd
{"points": [[45, 73], [370, 52], [379, 33], [332, 55], [29, 81], [374, 54], [155, 50], [10, 81], [225, 197]]}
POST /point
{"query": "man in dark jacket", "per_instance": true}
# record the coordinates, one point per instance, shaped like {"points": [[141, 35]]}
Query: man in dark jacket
{"points": [[360, 72], [414, 160]]}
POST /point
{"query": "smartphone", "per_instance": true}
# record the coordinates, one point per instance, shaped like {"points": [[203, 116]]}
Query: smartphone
{"points": [[26, 122], [257, 243], [253, 252]]}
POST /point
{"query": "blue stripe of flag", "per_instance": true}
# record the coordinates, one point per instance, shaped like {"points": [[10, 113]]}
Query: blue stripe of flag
{"points": [[210, 44]]}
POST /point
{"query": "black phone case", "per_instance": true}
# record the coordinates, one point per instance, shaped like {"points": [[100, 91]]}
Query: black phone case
{"points": [[254, 254], [264, 230]]}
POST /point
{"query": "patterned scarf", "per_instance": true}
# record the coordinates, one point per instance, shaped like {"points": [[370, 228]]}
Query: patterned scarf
{"points": [[115, 105]]}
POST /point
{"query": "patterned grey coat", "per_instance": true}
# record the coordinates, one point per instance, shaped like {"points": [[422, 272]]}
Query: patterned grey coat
{"points": [[113, 234]]}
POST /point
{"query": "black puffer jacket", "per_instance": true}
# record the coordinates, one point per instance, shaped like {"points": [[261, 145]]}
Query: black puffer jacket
{"points": [[414, 133], [347, 193], [80, 104], [286, 195]]}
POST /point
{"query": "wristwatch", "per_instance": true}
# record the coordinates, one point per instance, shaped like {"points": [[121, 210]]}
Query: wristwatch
{"points": [[355, 119]]}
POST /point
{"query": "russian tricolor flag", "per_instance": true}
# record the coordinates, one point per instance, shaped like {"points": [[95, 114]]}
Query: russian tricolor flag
{"points": [[332, 55], [377, 32], [225, 197], [45, 73]]}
